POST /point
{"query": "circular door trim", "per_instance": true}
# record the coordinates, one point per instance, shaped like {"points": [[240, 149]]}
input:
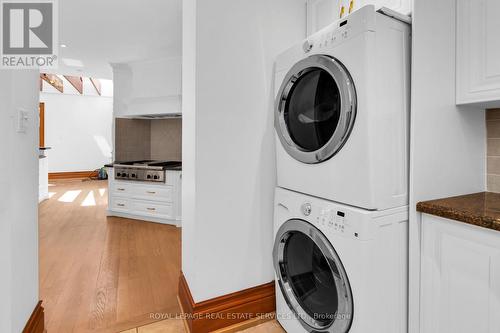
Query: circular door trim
{"points": [[348, 105], [344, 315]]}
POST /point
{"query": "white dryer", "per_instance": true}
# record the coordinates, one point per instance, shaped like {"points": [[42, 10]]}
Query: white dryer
{"points": [[339, 269], [342, 112]]}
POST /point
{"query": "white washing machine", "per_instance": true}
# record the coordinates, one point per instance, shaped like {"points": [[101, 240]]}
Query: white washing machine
{"points": [[339, 268], [342, 112]]}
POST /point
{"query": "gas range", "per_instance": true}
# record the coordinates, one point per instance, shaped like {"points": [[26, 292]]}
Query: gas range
{"points": [[147, 170]]}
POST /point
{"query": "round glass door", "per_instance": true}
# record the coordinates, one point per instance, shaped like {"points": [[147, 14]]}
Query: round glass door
{"points": [[312, 278], [315, 109]]}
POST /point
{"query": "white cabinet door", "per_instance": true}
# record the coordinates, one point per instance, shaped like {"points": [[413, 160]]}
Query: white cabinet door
{"points": [[460, 283], [321, 13], [400, 6], [478, 52]]}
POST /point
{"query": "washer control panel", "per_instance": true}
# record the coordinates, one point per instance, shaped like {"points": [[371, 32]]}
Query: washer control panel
{"points": [[332, 219], [306, 209]]}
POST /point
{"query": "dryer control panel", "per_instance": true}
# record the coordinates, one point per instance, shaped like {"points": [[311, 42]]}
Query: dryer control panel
{"points": [[362, 20]]}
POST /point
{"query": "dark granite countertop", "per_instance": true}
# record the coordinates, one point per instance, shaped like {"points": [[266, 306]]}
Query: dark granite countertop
{"points": [[481, 209], [173, 168]]}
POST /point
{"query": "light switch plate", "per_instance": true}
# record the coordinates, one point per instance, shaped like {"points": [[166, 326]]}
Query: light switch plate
{"points": [[22, 120]]}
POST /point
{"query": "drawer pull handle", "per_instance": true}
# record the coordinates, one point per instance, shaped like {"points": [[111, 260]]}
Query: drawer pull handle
{"points": [[120, 189], [151, 192], [151, 208], [121, 205]]}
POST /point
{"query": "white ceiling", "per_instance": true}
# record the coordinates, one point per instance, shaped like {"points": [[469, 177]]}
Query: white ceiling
{"points": [[100, 32]]}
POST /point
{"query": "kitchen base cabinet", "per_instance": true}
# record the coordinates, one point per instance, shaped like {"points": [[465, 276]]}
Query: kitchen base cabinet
{"points": [[460, 277], [154, 202]]}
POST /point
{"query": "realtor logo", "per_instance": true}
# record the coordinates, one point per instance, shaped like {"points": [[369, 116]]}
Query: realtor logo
{"points": [[29, 34]]}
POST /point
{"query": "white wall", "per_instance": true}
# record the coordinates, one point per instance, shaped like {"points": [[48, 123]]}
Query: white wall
{"points": [[79, 130], [18, 200], [228, 142], [447, 142]]}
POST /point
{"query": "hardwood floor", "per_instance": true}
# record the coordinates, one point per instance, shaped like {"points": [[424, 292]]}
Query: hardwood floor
{"points": [[100, 274]]}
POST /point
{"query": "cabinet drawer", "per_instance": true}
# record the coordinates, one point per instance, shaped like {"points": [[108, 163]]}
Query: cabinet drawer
{"points": [[152, 209], [163, 194], [122, 189], [120, 204]]}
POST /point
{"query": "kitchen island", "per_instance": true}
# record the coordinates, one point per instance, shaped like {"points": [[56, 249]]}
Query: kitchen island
{"points": [[145, 194]]}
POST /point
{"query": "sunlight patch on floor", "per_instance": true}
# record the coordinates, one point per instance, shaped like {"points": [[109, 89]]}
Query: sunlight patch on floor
{"points": [[89, 200], [51, 194], [102, 191], [69, 196]]}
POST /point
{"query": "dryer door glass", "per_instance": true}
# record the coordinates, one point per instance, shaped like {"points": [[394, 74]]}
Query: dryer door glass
{"points": [[315, 109], [312, 110], [312, 278]]}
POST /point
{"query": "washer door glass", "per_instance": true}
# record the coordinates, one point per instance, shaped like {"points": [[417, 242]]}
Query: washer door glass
{"points": [[312, 110], [312, 278], [315, 109]]}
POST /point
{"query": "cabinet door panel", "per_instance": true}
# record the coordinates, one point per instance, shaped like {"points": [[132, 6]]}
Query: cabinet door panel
{"points": [[120, 204], [152, 209], [321, 13], [460, 277], [478, 52], [122, 189], [153, 193]]}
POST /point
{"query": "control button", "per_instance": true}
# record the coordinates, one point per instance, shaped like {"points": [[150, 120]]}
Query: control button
{"points": [[133, 175], [148, 177], [331, 220], [118, 174], [155, 177], [306, 209], [307, 46]]}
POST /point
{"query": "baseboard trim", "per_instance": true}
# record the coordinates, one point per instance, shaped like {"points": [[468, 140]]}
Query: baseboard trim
{"points": [[36, 323], [228, 310], [246, 324], [72, 175]]}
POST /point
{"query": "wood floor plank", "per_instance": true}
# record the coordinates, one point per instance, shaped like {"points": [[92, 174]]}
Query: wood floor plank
{"points": [[100, 274]]}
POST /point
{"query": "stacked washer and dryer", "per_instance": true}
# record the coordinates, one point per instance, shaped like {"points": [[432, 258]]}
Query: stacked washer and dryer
{"points": [[341, 215]]}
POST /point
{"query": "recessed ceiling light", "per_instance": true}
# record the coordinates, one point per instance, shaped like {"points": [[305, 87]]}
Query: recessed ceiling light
{"points": [[72, 62], [64, 45]]}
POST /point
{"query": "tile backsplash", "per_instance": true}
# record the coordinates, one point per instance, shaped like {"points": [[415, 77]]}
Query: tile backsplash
{"points": [[166, 139], [493, 150], [139, 139], [132, 139]]}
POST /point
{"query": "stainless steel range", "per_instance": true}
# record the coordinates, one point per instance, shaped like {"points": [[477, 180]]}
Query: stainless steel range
{"points": [[149, 171]]}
